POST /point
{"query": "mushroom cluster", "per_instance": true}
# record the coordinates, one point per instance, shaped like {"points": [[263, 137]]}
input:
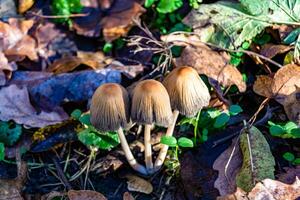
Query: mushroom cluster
{"points": [[151, 103]]}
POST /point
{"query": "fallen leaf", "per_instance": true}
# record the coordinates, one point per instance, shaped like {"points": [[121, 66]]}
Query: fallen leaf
{"points": [[138, 184], [25, 5], [226, 183], [262, 86], [271, 50], [128, 196], [258, 161], [118, 24], [24, 144], [291, 106], [85, 194], [51, 195], [213, 65], [15, 105], [49, 91], [267, 189]]}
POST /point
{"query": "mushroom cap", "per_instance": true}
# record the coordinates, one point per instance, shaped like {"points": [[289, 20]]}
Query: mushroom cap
{"points": [[188, 93], [151, 104], [110, 107]]}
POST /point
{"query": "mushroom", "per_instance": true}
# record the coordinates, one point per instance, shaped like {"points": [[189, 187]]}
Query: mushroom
{"points": [[150, 104], [188, 94], [110, 112]]}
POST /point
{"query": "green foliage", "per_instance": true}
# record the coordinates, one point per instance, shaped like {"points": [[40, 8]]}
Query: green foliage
{"points": [[169, 140], [245, 20], [9, 133], [65, 8], [291, 158], [258, 166], [2, 151], [287, 130], [107, 47], [208, 121], [169, 6], [185, 142], [90, 136]]}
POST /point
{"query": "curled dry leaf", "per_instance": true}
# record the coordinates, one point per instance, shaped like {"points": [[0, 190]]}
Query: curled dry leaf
{"points": [[85, 194], [267, 189], [138, 184], [284, 88], [15, 105], [271, 50]]}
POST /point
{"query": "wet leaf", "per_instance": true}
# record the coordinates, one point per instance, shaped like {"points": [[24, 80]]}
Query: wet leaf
{"points": [[271, 50], [85, 194], [15, 105], [138, 184], [258, 166]]}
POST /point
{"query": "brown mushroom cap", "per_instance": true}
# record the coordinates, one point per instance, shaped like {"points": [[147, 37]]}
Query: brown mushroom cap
{"points": [[110, 107], [188, 93], [151, 104]]}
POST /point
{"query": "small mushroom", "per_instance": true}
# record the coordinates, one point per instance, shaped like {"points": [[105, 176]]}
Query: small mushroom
{"points": [[150, 104], [188, 94], [110, 112]]}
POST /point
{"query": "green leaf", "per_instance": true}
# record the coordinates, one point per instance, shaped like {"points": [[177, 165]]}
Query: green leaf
{"points": [[168, 6], [296, 161], [276, 130], [106, 141], [169, 140], [185, 142], [76, 114], [65, 8], [235, 109], [288, 156], [255, 7], [289, 126], [9, 133], [85, 119], [297, 48], [107, 47], [258, 167], [221, 120], [292, 36], [2, 151], [295, 132], [149, 3]]}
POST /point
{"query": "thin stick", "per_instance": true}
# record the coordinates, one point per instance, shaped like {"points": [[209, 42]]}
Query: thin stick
{"points": [[148, 148], [60, 16], [128, 154], [163, 151]]}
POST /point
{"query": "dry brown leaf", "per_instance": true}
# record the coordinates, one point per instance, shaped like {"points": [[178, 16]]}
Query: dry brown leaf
{"points": [[85, 194], [213, 65], [270, 50], [290, 175], [262, 86], [118, 24], [138, 184], [291, 106], [25, 5], [268, 189], [128, 196]]}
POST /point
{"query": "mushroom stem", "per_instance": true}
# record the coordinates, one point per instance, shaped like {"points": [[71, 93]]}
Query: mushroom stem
{"points": [[128, 154], [164, 149], [148, 149]]}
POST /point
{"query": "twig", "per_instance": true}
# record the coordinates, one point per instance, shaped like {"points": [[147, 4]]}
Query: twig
{"points": [[60, 16], [61, 174]]}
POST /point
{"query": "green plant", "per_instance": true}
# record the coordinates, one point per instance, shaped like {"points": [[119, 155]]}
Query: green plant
{"points": [[9, 134], [284, 130], [171, 141], [64, 9], [92, 137], [208, 121], [169, 6], [291, 158]]}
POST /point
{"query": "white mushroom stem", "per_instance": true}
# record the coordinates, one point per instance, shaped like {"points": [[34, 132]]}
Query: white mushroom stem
{"points": [[128, 154], [148, 149], [164, 149]]}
